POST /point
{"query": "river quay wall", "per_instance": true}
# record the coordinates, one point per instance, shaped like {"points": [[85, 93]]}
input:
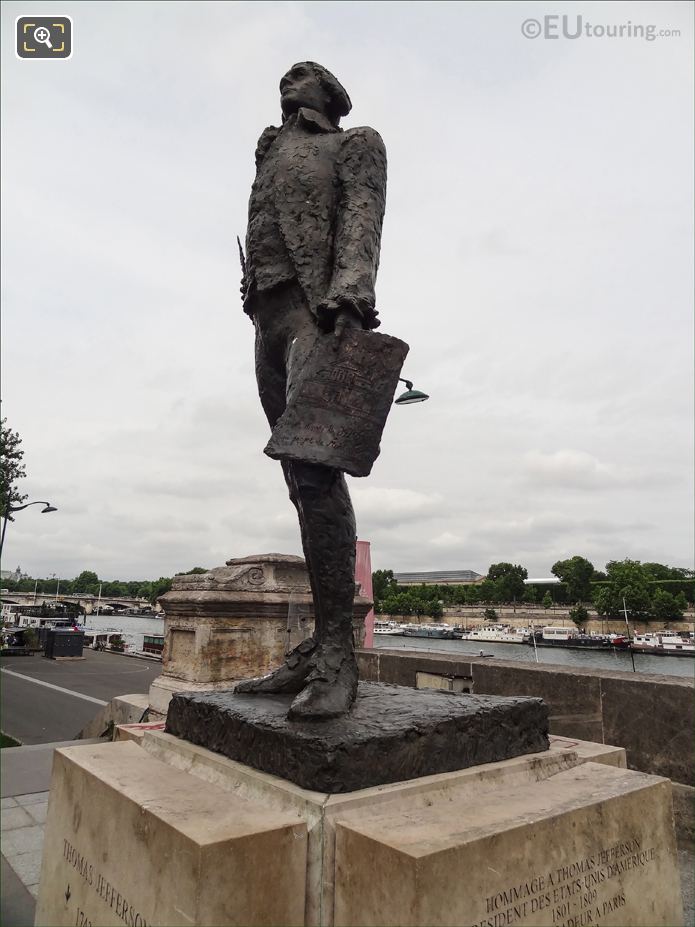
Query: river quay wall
{"points": [[651, 716]]}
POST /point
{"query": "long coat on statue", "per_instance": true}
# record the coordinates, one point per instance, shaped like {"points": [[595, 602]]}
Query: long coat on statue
{"points": [[321, 192]]}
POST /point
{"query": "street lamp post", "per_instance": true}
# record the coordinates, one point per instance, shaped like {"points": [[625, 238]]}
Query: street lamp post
{"points": [[52, 576], [18, 508]]}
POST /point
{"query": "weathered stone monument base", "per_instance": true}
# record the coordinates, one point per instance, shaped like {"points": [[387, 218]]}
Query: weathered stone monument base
{"points": [[169, 833], [135, 841], [392, 733], [236, 621]]}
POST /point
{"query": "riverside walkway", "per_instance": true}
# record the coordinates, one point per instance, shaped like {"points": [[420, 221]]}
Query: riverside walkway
{"points": [[44, 701]]}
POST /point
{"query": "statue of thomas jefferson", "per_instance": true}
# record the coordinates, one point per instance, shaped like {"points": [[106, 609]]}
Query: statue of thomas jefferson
{"points": [[312, 249]]}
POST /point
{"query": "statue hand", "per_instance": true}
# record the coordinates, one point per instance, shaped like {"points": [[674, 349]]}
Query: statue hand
{"points": [[339, 314]]}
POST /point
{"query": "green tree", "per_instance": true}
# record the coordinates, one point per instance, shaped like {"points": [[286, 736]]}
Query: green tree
{"points": [[87, 578], [196, 570], [605, 601], [115, 588], [681, 602], [435, 609], [576, 573], [509, 580], [658, 571], [419, 606], [403, 603], [579, 615], [490, 614], [629, 582], [87, 583], [664, 606], [383, 584], [487, 592], [11, 470], [159, 588], [547, 600], [662, 571]]}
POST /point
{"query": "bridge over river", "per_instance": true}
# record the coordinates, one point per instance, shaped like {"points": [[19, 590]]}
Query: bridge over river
{"points": [[88, 603]]}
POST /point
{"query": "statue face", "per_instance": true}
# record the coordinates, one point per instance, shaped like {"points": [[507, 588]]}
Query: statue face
{"points": [[300, 87]]}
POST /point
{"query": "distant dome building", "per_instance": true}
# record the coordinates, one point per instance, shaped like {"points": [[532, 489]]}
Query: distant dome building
{"points": [[13, 576]]}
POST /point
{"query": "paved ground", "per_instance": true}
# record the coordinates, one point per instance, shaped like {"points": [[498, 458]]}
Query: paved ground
{"points": [[44, 701], [25, 773], [686, 860]]}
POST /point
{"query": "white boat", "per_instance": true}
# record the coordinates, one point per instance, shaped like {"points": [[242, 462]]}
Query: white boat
{"points": [[664, 643], [36, 623], [497, 633], [387, 627], [100, 638], [439, 631]]}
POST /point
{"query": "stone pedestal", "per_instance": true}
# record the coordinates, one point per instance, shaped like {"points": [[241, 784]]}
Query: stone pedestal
{"points": [[166, 832], [234, 622], [131, 840]]}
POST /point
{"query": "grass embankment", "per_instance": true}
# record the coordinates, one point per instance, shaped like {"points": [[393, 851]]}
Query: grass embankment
{"points": [[6, 741]]}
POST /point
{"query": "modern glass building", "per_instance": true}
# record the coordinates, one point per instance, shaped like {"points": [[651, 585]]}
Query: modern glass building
{"points": [[438, 578]]}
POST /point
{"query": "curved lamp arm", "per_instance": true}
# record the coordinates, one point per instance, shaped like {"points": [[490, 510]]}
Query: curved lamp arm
{"points": [[19, 508]]}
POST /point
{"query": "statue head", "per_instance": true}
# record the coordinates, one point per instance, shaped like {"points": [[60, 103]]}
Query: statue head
{"points": [[311, 85]]}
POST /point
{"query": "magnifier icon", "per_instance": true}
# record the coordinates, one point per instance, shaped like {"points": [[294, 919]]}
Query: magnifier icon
{"points": [[43, 36]]}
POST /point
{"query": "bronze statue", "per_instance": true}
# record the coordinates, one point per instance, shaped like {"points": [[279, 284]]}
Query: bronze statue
{"points": [[312, 252]]}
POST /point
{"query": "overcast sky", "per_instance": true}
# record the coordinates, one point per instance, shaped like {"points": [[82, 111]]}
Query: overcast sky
{"points": [[536, 255]]}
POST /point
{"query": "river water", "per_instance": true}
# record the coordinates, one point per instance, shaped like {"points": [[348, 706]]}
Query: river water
{"points": [[133, 628]]}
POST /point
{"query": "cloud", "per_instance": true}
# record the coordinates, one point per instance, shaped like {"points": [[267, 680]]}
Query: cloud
{"points": [[570, 469], [447, 540], [388, 508]]}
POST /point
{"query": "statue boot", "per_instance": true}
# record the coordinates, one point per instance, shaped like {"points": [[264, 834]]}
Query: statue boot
{"points": [[330, 688], [290, 677]]}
